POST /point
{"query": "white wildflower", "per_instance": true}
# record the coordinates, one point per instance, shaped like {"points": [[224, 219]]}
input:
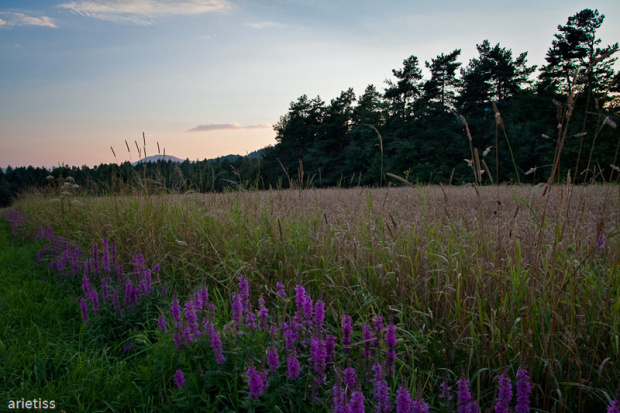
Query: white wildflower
{"points": [[531, 171], [615, 168], [469, 162], [486, 151]]}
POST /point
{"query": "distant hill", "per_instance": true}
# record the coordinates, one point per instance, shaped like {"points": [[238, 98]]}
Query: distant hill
{"points": [[156, 158], [230, 158]]}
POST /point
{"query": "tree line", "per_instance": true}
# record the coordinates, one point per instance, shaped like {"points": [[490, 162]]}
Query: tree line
{"points": [[489, 121]]}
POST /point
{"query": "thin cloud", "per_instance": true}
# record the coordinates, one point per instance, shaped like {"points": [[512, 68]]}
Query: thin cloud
{"points": [[264, 25], [226, 126], [21, 19], [142, 12]]}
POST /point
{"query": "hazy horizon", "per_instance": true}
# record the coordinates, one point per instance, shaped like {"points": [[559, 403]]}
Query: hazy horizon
{"points": [[208, 78]]}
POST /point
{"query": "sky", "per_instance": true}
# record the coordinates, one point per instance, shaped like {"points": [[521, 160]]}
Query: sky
{"points": [[208, 78]]}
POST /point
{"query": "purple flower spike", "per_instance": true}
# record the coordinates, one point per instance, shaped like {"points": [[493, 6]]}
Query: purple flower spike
{"points": [[463, 396], [263, 314], [524, 388], [255, 382], [179, 378], [161, 323], [272, 358], [347, 330], [317, 356], [292, 363], [84, 308], [419, 406], [175, 309], [319, 314], [403, 400], [280, 289], [381, 390], [349, 377], [244, 293], [505, 395], [357, 403], [237, 308]]}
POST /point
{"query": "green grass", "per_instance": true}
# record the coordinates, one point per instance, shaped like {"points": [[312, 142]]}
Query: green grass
{"points": [[47, 352]]}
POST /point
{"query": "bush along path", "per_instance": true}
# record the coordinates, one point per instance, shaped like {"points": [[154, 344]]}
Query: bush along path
{"points": [[90, 335]]}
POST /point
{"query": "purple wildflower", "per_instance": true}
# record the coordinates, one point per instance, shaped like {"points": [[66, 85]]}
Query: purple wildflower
{"points": [[216, 345], [300, 297], [339, 402], [378, 324], [317, 356], [601, 241], [177, 340], [614, 406], [179, 378], [117, 304], [349, 377], [255, 382], [291, 334], [390, 342], [272, 358], [127, 348], [94, 298], [244, 293], [292, 363], [161, 323], [191, 317], [381, 390], [250, 320], [187, 335], [319, 314], [419, 406], [104, 288], [347, 330], [263, 314], [403, 400], [85, 284], [280, 289], [357, 403], [204, 296], [84, 308], [237, 308], [463, 395], [504, 396], [524, 388]]}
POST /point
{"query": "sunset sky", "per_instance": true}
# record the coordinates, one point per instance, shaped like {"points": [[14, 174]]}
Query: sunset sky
{"points": [[207, 78]]}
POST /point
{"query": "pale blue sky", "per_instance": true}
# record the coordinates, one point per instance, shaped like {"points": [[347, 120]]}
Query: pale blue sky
{"points": [[77, 76]]}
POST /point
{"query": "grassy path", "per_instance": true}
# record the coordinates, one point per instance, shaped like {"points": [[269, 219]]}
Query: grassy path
{"points": [[44, 355]]}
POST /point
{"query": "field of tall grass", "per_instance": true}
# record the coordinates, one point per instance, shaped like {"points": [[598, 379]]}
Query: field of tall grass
{"points": [[445, 288]]}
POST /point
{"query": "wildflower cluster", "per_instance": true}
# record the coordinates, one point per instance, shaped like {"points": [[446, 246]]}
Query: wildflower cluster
{"points": [[15, 219], [104, 281], [291, 345]]}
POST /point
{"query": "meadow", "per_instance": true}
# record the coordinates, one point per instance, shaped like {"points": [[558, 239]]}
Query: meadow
{"points": [[434, 297]]}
